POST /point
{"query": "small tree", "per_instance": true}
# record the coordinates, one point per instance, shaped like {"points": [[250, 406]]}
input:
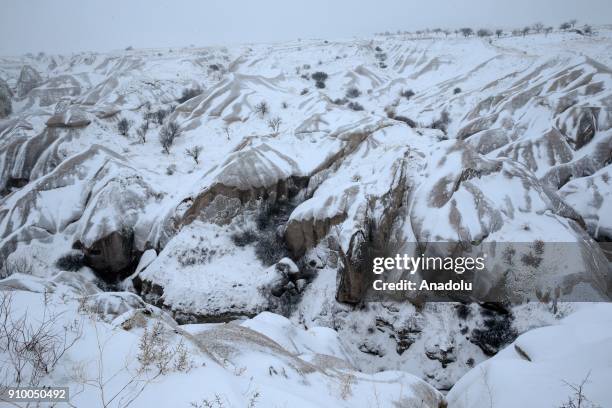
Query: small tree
{"points": [[572, 22], [274, 124], [466, 31], [123, 126], [587, 30], [262, 108], [525, 31], [194, 153], [355, 106], [578, 399], [142, 131], [407, 93], [499, 32], [538, 27], [548, 30], [483, 32], [319, 76], [442, 122], [160, 116], [167, 134], [565, 26], [353, 92]]}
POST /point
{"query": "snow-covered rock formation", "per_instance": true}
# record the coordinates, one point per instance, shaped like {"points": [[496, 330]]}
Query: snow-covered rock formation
{"points": [[198, 186]]}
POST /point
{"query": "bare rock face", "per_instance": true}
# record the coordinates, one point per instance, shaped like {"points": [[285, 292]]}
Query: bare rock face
{"points": [[26, 158], [29, 79], [102, 206], [255, 174], [72, 117], [6, 107], [54, 89], [592, 198]]}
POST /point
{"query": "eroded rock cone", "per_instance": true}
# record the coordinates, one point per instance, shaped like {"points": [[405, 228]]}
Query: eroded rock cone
{"points": [[29, 79]]}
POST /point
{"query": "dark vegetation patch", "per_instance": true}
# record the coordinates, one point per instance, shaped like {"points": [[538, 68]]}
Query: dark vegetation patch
{"points": [[496, 331], [72, 261], [189, 93]]}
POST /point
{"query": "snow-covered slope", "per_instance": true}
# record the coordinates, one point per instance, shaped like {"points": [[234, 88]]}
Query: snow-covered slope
{"points": [[265, 361], [546, 367], [289, 162]]}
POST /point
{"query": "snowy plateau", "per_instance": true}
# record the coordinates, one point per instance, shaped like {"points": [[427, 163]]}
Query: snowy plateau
{"points": [[189, 227]]}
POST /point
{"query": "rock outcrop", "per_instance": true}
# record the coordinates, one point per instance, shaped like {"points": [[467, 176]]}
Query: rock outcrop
{"points": [[29, 79]]}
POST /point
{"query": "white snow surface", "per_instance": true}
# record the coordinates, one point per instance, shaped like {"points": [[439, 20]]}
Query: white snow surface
{"points": [[525, 156]]}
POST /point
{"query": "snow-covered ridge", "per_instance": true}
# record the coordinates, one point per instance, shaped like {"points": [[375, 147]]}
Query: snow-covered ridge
{"points": [[312, 153]]}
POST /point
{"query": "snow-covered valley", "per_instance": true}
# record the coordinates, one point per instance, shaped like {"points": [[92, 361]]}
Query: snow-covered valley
{"points": [[188, 226]]}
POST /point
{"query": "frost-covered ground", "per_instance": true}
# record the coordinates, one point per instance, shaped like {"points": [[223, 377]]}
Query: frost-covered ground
{"points": [[166, 273]]}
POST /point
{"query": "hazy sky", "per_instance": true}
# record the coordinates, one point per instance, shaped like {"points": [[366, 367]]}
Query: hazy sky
{"points": [[76, 25]]}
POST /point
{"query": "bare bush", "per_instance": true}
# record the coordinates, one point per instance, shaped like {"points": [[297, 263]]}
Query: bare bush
{"points": [[353, 92], [274, 124], [499, 32], [457, 91], [483, 32], [215, 402], [31, 348], [407, 93], [346, 385], [565, 26], [141, 132], [548, 30], [194, 153], [189, 93], [497, 331], [270, 248], [154, 350], [244, 238], [355, 106], [160, 116], [123, 126], [442, 122], [155, 356], [526, 31], [319, 76], [196, 255], [578, 399], [262, 108], [167, 134]]}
